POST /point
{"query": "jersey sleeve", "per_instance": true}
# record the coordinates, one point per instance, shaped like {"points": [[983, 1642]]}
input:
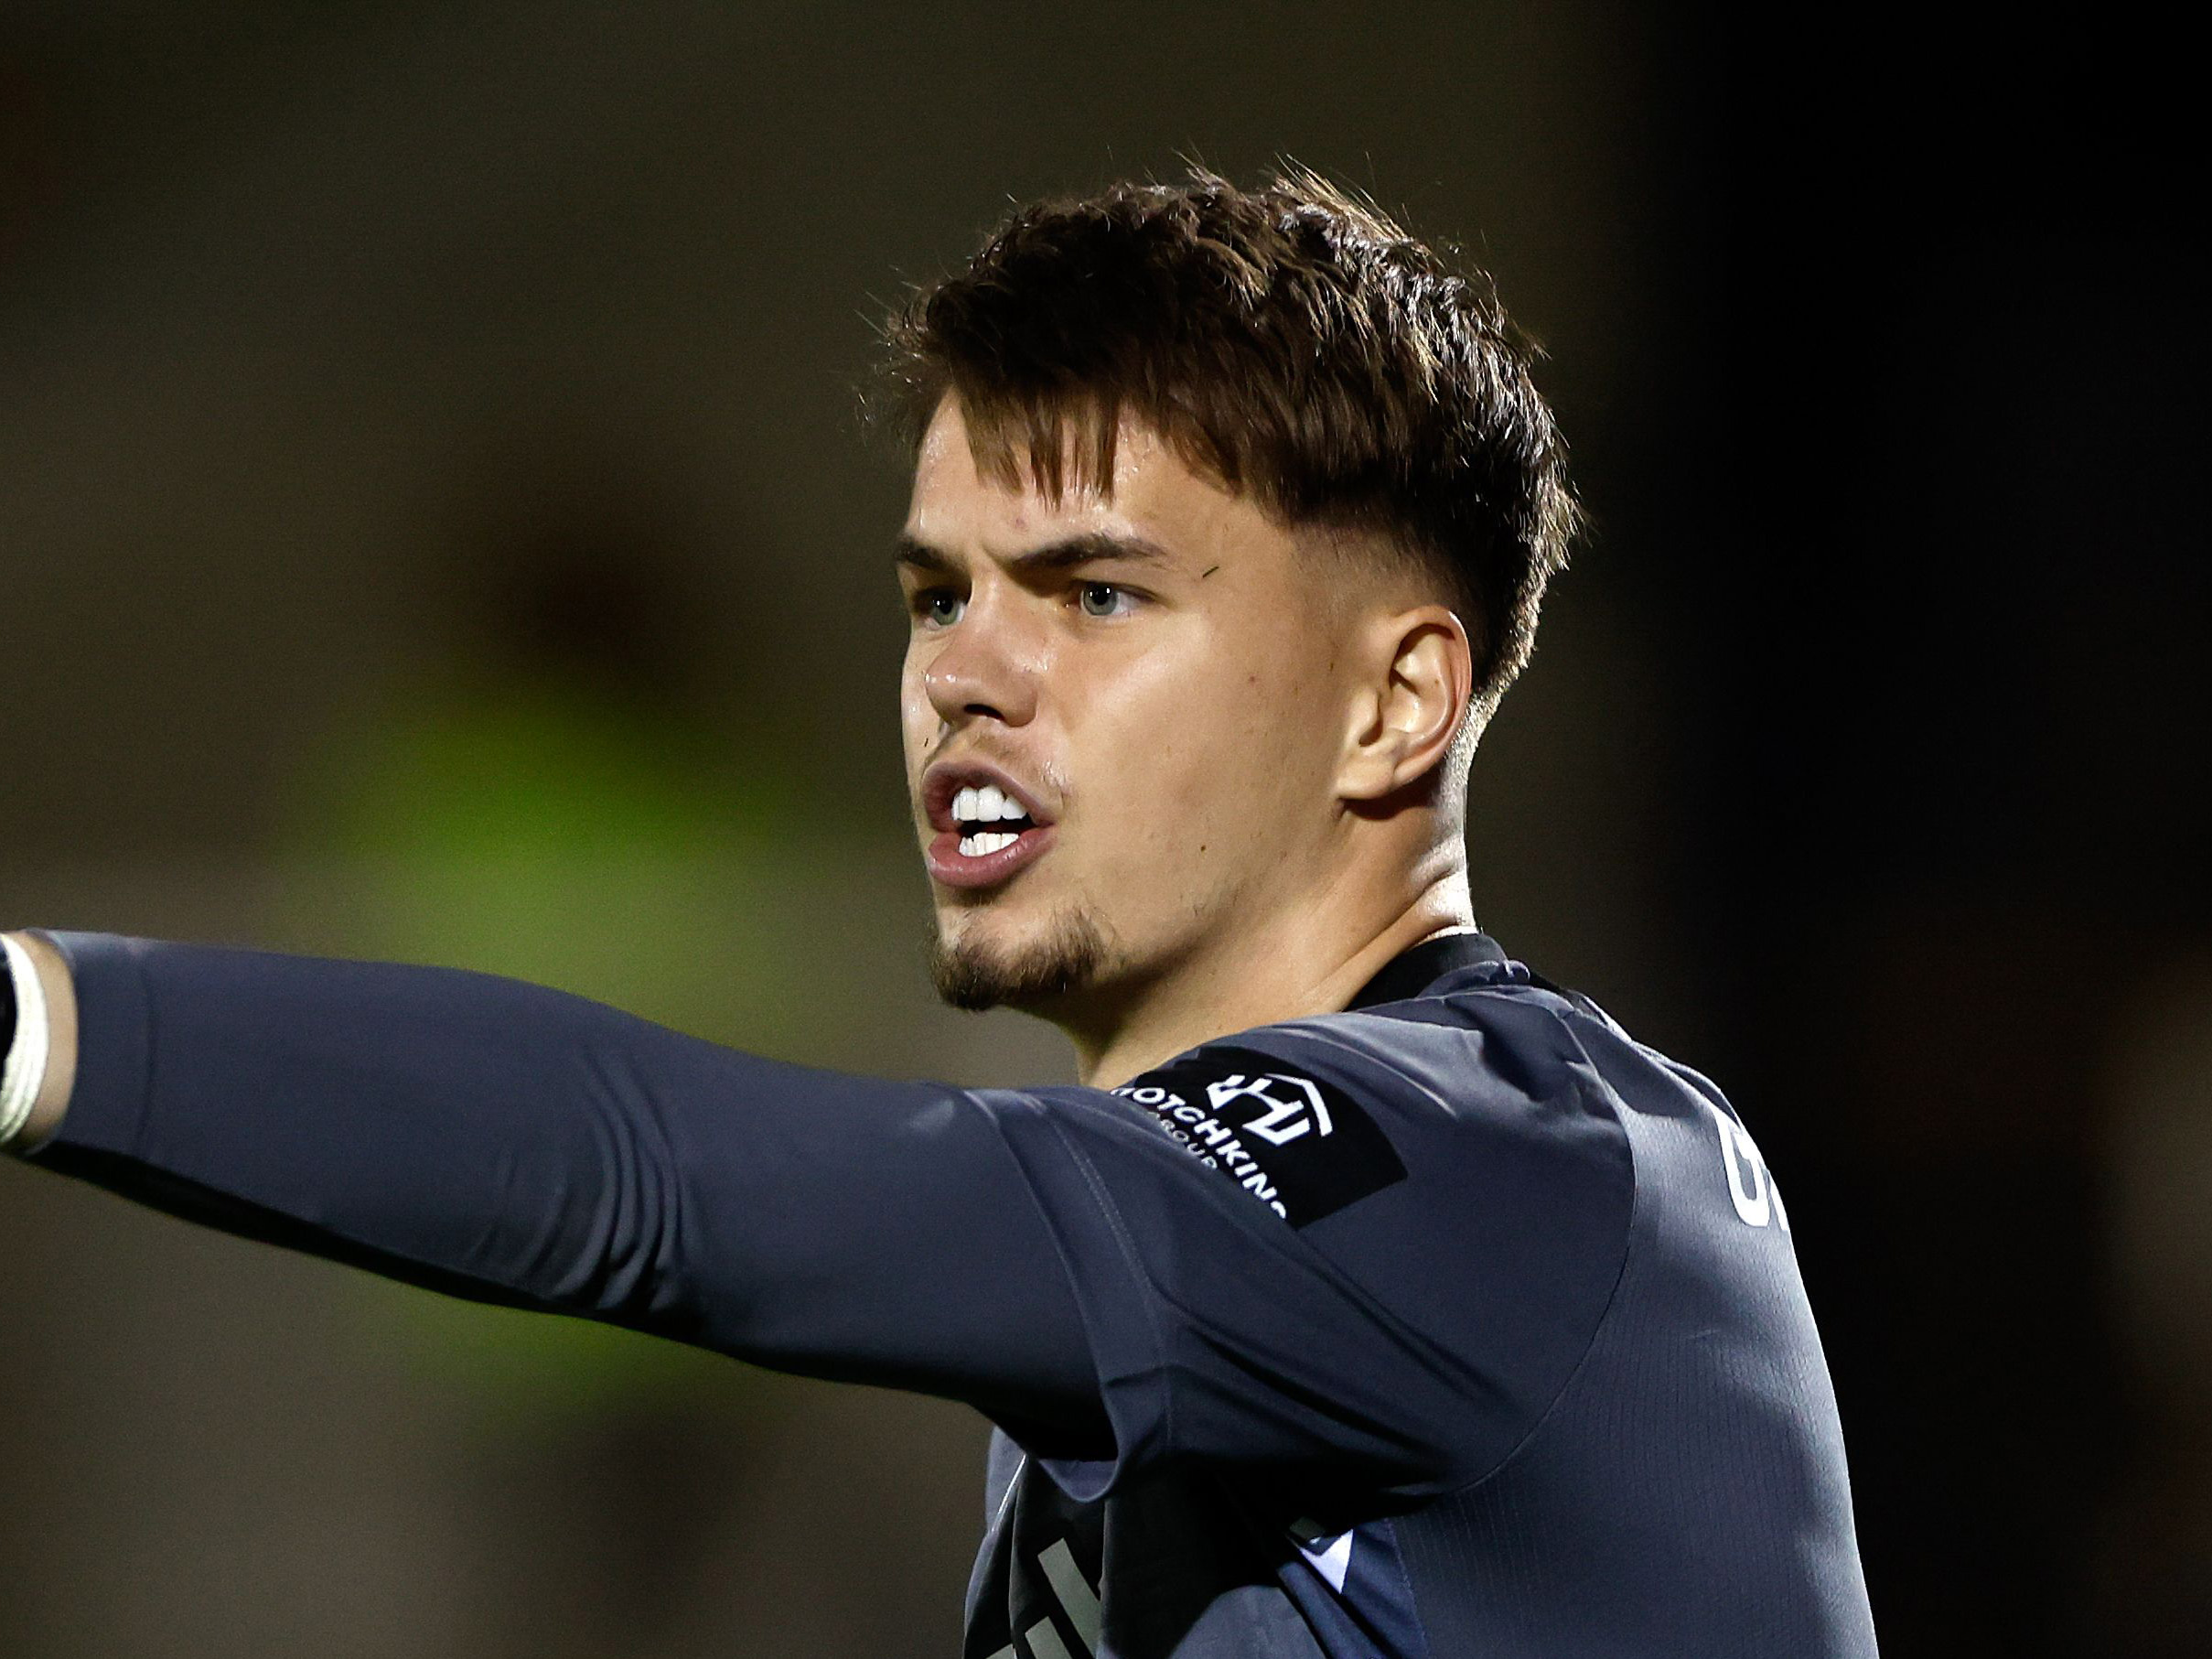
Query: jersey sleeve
{"points": [[1354, 1252], [1345, 1256], [512, 1144]]}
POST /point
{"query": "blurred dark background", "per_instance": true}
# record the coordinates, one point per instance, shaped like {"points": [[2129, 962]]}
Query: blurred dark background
{"points": [[433, 524]]}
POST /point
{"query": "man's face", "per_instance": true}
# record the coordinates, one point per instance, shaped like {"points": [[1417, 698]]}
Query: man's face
{"points": [[1146, 682]]}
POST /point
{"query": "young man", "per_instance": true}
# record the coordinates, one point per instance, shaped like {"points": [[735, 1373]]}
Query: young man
{"points": [[1371, 1296]]}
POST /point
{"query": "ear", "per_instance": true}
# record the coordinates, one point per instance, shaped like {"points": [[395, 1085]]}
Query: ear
{"points": [[1418, 677]]}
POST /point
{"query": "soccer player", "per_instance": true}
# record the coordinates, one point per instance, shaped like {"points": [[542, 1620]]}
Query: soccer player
{"points": [[1371, 1296]]}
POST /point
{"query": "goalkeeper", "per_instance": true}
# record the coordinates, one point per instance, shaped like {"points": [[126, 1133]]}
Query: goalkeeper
{"points": [[1371, 1296]]}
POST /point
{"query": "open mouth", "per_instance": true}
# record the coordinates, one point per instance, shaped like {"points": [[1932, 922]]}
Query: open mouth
{"points": [[985, 836], [988, 821]]}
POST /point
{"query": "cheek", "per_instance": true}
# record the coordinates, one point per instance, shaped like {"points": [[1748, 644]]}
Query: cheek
{"points": [[1205, 751], [917, 718], [1268, 771], [1259, 707]]}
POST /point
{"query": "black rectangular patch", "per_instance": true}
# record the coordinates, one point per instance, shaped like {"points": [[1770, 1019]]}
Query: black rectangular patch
{"points": [[1299, 1145]]}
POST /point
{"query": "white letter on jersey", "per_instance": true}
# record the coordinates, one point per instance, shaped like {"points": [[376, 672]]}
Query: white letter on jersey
{"points": [[1331, 1557], [1754, 1201]]}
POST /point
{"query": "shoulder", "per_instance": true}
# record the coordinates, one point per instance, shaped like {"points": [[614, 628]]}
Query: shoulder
{"points": [[1473, 1088], [1461, 1055]]}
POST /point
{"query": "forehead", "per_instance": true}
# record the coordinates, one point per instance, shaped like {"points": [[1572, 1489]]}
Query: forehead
{"points": [[1152, 493]]}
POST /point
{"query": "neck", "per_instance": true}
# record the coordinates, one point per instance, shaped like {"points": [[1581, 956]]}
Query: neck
{"points": [[1311, 962]]}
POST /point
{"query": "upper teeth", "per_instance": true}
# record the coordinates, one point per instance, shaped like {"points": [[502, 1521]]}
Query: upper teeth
{"points": [[988, 804]]}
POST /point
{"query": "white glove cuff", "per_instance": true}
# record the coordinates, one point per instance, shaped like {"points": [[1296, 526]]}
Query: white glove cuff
{"points": [[25, 1068]]}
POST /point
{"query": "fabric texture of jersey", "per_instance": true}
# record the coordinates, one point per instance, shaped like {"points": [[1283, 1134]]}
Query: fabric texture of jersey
{"points": [[1553, 1391], [1455, 1325]]}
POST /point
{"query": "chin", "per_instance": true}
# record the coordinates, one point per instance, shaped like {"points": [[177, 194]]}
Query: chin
{"points": [[1035, 968]]}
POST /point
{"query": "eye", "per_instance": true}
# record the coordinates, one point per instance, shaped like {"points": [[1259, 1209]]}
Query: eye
{"points": [[1103, 600], [938, 606]]}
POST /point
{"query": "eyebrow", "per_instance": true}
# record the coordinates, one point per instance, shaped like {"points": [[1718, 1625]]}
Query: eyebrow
{"points": [[1096, 547]]}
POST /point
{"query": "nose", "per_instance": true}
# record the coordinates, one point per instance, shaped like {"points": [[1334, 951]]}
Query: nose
{"points": [[986, 668]]}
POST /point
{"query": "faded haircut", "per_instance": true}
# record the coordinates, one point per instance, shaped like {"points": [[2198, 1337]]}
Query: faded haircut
{"points": [[1289, 341]]}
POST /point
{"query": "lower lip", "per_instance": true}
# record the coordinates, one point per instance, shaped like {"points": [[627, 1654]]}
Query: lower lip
{"points": [[953, 868]]}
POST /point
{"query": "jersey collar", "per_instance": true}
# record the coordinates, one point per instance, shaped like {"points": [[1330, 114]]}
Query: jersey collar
{"points": [[1414, 969]]}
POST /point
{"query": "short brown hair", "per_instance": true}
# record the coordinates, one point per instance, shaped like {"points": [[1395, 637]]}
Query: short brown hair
{"points": [[1292, 342]]}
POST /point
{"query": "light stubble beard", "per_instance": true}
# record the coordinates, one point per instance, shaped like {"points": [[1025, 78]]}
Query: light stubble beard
{"points": [[1031, 975]]}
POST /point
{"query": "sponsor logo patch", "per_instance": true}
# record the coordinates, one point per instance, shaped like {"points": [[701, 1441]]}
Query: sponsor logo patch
{"points": [[1301, 1146]]}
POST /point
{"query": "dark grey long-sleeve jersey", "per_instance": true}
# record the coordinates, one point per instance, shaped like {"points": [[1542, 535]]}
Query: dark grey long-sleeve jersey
{"points": [[1458, 1325]]}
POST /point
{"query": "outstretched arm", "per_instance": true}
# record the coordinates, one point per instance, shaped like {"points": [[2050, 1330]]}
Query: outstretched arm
{"points": [[1111, 1295], [513, 1144]]}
